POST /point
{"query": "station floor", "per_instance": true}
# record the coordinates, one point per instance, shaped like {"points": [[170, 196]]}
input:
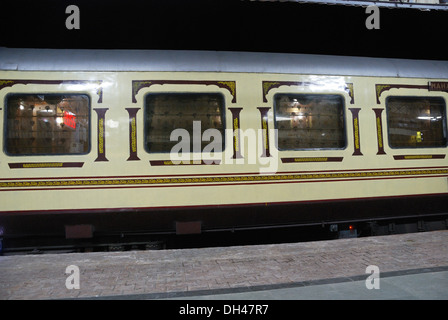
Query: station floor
{"points": [[424, 284], [407, 266]]}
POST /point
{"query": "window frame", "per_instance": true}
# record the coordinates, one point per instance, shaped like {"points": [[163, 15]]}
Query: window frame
{"points": [[179, 93], [5, 123], [344, 129], [445, 127]]}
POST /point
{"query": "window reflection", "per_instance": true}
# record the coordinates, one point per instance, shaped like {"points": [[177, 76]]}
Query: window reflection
{"points": [[47, 124], [307, 121], [416, 122], [166, 112]]}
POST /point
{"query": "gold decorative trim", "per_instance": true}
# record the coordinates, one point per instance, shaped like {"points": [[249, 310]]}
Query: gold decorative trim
{"points": [[269, 85], [137, 85], [11, 82], [380, 88], [129, 182]]}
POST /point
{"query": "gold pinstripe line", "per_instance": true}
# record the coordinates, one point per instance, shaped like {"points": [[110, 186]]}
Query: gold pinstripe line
{"points": [[259, 178]]}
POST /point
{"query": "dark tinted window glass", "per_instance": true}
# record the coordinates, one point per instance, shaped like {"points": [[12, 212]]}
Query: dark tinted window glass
{"points": [[416, 122], [307, 121], [46, 124], [166, 112]]}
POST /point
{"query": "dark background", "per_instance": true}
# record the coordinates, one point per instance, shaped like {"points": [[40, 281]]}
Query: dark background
{"points": [[229, 25]]}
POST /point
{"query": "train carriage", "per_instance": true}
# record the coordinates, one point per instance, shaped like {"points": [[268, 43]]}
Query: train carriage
{"points": [[151, 142]]}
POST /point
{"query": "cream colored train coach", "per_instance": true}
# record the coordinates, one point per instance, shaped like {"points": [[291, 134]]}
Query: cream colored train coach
{"points": [[121, 142]]}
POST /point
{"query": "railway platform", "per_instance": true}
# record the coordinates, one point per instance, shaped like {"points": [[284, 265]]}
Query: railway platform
{"points": [[404, 266]]}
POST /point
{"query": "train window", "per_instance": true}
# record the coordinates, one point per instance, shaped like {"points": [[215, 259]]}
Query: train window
{"points": [[47, 124], [309, 121], [416, 122], [165, 112]]}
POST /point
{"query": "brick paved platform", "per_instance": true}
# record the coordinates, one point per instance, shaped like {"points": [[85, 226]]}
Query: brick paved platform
{"points": [[150, 273]]}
